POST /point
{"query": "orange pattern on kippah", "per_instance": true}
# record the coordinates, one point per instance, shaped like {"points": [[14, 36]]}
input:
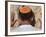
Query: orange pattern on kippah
{"points": [[24, 9]]}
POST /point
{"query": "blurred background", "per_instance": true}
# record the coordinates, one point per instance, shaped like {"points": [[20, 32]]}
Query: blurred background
{"points": [[37, 12]]}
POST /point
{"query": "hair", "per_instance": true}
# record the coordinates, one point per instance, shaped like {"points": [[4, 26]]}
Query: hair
{"points": [[28, 16]]}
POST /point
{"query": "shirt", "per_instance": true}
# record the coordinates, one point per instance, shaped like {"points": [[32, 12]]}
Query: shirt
{"points": [[23, 28]]}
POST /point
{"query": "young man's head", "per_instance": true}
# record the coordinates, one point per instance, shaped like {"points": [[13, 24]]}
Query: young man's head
{"points": [[26, 13]]}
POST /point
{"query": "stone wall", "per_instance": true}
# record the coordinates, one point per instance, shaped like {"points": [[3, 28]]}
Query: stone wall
{"points": [[37, 11]]}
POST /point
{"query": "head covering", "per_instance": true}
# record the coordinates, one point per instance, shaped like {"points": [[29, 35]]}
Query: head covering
{"points": [[25, 9]]}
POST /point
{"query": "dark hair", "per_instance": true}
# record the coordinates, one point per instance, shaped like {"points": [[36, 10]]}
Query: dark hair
{"points": [[28, 17]]}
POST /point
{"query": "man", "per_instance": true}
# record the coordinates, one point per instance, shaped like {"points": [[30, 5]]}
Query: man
{"points": [[26, 21]]}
